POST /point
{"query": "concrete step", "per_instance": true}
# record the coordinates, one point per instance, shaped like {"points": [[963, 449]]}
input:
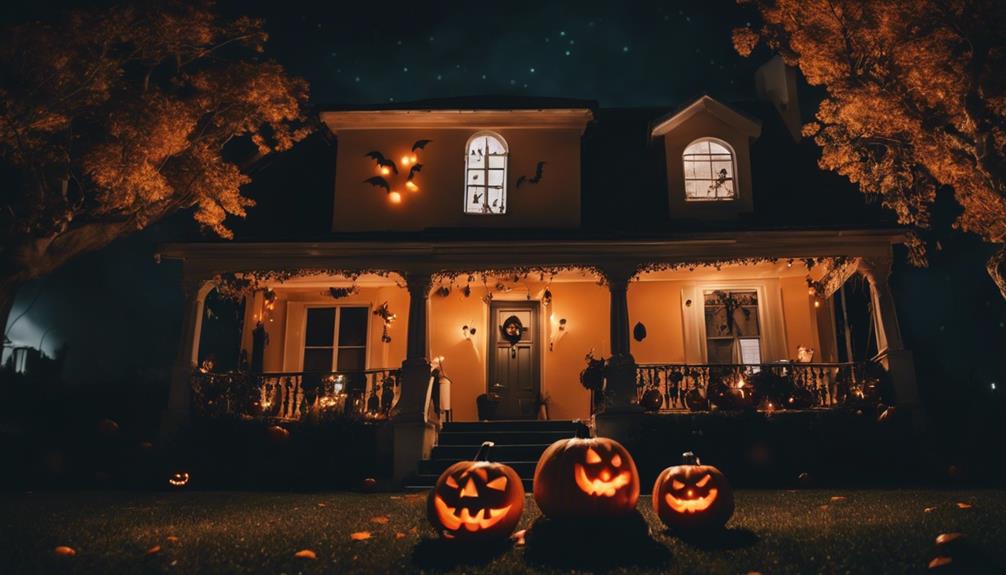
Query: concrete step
{"points": [[524, 452], [500, 437], [571, 426], [437, 466]]}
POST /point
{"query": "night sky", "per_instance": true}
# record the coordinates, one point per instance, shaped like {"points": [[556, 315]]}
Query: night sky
{"points": [[117, 311]]}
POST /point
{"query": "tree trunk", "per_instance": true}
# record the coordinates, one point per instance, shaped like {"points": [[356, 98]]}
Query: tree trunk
{"points": [[996, 267]]}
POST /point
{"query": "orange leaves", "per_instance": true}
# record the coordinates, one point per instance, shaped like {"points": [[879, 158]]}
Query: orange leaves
{"points": [[64, 551], [360, 535], [745, 39], [380, 519], [306, 554]]}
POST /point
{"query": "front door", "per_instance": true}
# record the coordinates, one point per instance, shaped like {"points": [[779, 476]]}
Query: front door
{"points": [[514, 360]]}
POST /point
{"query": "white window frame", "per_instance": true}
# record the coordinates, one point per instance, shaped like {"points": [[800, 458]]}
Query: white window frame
{"points": [[506, 167], [335, 334], [734, 178], [760, 294]]}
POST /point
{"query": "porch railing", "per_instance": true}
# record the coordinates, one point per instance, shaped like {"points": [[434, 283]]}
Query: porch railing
{"points": [[764, 386], [291, 396]]}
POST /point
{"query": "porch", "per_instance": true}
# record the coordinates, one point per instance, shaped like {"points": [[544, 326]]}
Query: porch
{"points": [[747, 329]]}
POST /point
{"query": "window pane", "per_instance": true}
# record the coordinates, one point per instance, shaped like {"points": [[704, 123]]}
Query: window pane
{"points": [[352, 359], [498, 162], [720, 350], [702, 170], [318, 359], [496, 178], [715, 148], [320, 326], [750, 351], [353, 326], [476, 178]]}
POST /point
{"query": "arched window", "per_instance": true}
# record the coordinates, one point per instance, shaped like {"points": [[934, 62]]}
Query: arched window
{"points": [[709, 171], [485, 174]]}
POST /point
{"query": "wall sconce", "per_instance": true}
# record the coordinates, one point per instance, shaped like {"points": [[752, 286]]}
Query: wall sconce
{"points": [[546, 298], [557, 334], [468, 332]]}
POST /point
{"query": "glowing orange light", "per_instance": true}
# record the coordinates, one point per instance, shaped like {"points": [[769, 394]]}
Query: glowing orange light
{"points": [[817, 303], [413, 158], [811, 291], [385, 170], [406, 160], [411, 186], [395, 197]]}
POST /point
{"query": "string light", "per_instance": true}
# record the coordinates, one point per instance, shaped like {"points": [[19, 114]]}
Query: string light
{"points": [[385, 170], [395, 197], [411, 186]]}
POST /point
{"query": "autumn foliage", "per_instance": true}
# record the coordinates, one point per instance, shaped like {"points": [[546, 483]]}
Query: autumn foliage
{"points": [[112, 119], [914, 101]]}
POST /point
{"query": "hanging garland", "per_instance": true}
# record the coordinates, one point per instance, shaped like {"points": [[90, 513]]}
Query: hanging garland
{"points": [[237, 286]]}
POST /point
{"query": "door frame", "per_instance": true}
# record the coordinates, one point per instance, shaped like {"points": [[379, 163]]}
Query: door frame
{"points": [[534, 306]]}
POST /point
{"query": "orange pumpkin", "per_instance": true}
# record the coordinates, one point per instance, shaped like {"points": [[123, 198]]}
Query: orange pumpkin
{"points": [[476, 500], [692, 496], [586, 478]]}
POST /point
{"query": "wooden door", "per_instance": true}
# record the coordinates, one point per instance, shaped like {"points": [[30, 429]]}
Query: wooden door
{"points": [[514, 358]]}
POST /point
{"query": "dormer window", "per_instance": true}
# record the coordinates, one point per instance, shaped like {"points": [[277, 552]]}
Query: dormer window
{"points": [[485, 174], [709, 171]]}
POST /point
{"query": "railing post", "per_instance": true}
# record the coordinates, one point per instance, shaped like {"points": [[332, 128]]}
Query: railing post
{"points": [[412, 439], [892, 355], [194, 292]]}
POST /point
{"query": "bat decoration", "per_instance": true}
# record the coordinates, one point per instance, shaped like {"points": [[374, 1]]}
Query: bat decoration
{"points": [[537, 175], [379, 182], [415, 169], [420, 144], [476, 198], [382, 161]]}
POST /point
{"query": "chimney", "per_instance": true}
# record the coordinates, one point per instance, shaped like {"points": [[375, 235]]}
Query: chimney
{"points": [[775, 82]]}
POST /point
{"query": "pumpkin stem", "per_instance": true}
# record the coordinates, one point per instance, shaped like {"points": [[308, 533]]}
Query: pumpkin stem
{"points": [[689, 458], [483, 454]]}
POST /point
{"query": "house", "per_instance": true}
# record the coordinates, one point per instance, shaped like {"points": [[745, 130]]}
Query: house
{"points": [[502, 240]]}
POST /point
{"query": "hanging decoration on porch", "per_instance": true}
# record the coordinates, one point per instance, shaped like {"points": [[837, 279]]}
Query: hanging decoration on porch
{"points": [[639, 331], [341, 292], [580, 478], [512, 331], [388, 172], [693, 497], [386, 315], [238, 285], [592, 376], [476, 501]]}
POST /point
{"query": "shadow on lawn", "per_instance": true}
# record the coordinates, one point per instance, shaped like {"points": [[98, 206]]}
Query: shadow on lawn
{"points": [[719, 540], [596, 546], [440, 554]]}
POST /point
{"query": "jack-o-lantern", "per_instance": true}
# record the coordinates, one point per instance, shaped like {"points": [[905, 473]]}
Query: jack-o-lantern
{"points": [[692, 496], [476, 500], [586, 478], [179, 479]]}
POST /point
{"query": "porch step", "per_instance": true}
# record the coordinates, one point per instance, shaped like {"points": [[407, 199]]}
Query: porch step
{"points": [[519, 444]]}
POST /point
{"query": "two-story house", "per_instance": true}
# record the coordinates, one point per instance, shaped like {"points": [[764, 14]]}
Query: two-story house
{"points": [[505, 239]]}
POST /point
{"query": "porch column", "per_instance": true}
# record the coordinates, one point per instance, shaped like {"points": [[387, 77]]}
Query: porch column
{"points": [[413, 437], [890, 349], [620, 418], [194, 292]]}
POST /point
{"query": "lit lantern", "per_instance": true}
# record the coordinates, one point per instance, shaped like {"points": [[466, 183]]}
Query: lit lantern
{"points": [[586, 478], [395, 197], [406, 160], [692, 496], [385, 170], [411, 186], [476, 500]]}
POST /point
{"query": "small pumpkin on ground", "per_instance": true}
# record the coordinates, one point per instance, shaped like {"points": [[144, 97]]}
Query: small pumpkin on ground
{"points": [[581, 478], [692, 496], [476, 500]]}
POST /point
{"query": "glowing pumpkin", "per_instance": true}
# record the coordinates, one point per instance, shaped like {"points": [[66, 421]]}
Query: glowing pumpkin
{"points": [[179, 479], [476, 500], [692, 496], [586, 478]]}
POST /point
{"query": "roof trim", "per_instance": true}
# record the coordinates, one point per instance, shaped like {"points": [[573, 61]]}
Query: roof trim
{"points": [[551, 118], [712, 106]]}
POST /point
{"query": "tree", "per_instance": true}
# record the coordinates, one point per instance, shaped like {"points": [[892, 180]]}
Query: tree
{"points": [[113, 119], [914, 101]]}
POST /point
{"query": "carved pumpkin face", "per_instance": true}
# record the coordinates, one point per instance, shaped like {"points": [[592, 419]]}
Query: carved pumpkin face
{"points": [[578, 478], [179, 479], [476, 500], [693, 496]]}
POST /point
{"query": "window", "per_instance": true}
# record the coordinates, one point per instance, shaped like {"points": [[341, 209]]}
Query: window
{"points": [[709, 171], [335, 339], [485, 174], [733, 334]]}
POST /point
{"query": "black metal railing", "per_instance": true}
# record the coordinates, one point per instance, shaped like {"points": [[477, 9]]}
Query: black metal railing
{"points": [[766, 386], [292, 396]]}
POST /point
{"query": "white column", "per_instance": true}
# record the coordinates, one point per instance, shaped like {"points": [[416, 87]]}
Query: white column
{"points": [[179, 397], [413, 436]]}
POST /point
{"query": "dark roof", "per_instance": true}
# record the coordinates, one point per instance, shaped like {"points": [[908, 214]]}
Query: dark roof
{"points": [[624, 182]]}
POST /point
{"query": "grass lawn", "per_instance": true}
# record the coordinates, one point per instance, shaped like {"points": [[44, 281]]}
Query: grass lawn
{"points": [[807, 531]]}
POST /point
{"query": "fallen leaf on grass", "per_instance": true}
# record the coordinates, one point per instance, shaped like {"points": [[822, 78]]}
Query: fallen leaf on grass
{"points": [[172, 539], [65, 551], [823, 508], [415, 496], [938, 562], [963, 505], [929, 510], [322, 505], [414, 530], [838, 498], [399, 535], [518, 537], [154, 550], [380, 519], [944, 538], [305, 554], [395, 497], [360, 535]]}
